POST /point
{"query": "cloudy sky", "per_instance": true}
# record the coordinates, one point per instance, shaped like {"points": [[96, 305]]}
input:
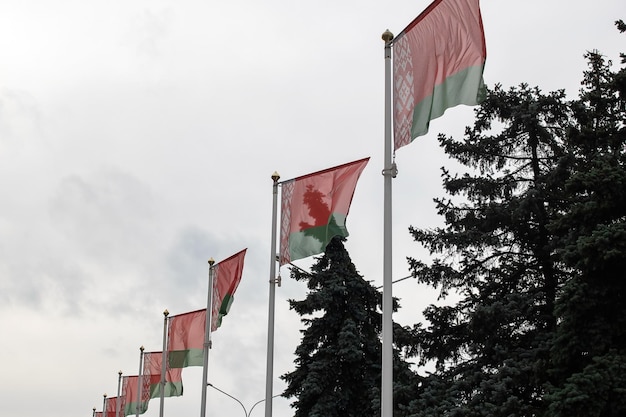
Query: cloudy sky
{"points": [[137, 140]]}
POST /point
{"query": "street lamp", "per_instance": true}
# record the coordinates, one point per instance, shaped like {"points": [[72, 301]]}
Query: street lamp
{"points": [[227, 394], [257, 403], [246, 412]]}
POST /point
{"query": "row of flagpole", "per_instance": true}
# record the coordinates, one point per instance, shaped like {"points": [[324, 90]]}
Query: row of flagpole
{"points": [[452, 45], [209, 321], [337, 185]]}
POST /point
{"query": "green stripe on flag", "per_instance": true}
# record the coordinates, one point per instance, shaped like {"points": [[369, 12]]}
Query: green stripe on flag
{"points": [[185, 358], [459, 88], [227, 301], [131, 408], [313, 241], [172, 389]]}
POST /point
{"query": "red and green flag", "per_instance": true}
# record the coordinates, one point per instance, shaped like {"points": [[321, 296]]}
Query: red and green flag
{"points": [[112, 404], [314, 209], [226, 278], [152, 371], [185, 344], [134, 403], [438, 62]]}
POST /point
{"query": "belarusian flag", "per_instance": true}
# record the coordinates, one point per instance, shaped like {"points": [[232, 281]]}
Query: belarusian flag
{"points": [[226, 277], [314, 209], [133, 404], [152, 370], [185, 344], [438, 63], [111, 406]]}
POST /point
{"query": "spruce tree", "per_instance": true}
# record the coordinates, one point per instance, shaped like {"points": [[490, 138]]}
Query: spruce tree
{"points": [[534, 246], [589, 353], [491, 346], [338, 362]]}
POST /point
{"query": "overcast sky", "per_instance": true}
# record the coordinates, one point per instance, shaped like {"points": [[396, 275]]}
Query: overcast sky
{"points": [[137, 140]]}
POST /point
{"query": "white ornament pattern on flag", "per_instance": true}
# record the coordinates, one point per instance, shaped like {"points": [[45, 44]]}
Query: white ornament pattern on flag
{"points": [[403, 92], [285, 221], [145, 389], [215, 301]]}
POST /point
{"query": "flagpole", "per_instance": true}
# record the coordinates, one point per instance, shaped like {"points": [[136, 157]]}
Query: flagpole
{"points": [[117, 401], [139, 382], [389, 172], [104, 406], [207, 338], [269, 373], [163, 364]]}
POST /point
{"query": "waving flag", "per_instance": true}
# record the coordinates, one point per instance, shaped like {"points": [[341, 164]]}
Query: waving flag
{"points": [[227, 275], [186, 339], [438, 63], [314, 209], [133, 402], [152, 371]]}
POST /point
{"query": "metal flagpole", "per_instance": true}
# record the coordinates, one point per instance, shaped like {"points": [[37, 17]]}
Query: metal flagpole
{"points": [[94, 412], [139, 382], [117, 400], [163, 364], [207, 338], [104, 406], [269, 373], [389, 172]]}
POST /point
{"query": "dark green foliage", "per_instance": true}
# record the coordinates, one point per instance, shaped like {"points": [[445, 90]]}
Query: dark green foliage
{"points": [[491, 347], [589, 351], [338, 362], [598, 389], [534, 250]]}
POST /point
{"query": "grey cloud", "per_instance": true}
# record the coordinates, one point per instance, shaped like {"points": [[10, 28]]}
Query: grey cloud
{"points": [[187, 266], [109, 216], [43, 282]]}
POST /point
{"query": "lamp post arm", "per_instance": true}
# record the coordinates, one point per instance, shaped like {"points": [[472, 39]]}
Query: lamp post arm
{"points": [[240, 403], [259, 402], [228, 395], [254, 405]]}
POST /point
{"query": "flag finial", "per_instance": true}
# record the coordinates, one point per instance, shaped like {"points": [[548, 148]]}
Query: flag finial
{"points": [[211, 261], [275, 176], [387, 36], [166, 313]]}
